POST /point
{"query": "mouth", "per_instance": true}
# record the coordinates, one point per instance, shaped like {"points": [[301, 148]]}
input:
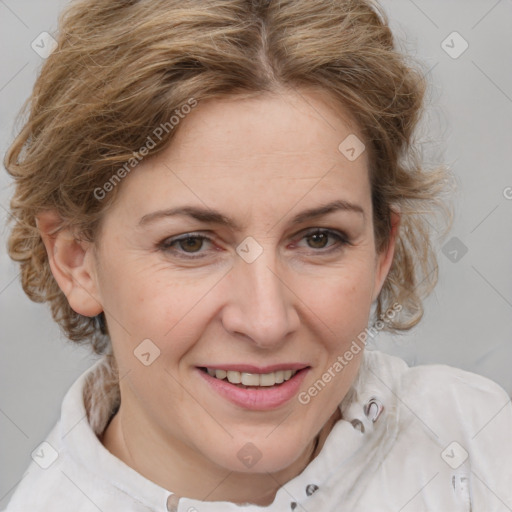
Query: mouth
{"points": [[246, 380], [254, 388]]}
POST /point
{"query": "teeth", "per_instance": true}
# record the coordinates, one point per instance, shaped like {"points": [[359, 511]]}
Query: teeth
{"points": [[252, 379], [267, 379], [220, 374], [234, 377]]}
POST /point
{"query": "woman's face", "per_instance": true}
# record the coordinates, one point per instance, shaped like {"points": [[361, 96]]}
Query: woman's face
{"points": [[271, 289]]}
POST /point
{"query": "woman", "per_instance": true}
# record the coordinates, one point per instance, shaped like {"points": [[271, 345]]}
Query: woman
{"points": [[224, 199]]}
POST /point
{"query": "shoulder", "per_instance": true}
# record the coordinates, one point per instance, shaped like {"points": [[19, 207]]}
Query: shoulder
{"points": [[446, 397], [458, 424], [56, 477], [453, 387], [49, 481], [436, 380]]}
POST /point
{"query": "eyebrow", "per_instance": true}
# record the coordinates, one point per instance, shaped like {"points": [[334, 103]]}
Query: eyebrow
{"points": [[210, 216]]}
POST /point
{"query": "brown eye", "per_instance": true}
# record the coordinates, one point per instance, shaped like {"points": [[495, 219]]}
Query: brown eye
{"points": [[192, 244], [186, 245], [319, 240]]}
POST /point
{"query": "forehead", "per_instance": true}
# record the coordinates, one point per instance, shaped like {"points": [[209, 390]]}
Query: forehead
{"points": [[268, 152], [282, 126]]}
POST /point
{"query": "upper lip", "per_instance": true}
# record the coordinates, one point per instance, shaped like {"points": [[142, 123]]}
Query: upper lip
{"points": [[249, 368]]}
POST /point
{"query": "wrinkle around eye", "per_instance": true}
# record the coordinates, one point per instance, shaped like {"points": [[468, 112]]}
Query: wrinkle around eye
{"points": [[173, 245]]}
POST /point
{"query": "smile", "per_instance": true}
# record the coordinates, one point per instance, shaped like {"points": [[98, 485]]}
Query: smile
{"points": [[244, 379], [254, 388]]}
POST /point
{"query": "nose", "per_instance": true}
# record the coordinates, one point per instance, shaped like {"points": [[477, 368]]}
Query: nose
{"points": [[260, 304]]}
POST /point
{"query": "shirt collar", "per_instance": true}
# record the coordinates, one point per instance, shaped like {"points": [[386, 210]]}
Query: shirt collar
{"points": [[86, 410]]}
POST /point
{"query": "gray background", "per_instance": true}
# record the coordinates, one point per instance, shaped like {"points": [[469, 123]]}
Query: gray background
{"points": [[468, 123]]}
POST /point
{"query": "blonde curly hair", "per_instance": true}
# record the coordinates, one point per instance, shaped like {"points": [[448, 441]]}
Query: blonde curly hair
{"points": [[121, 68]]}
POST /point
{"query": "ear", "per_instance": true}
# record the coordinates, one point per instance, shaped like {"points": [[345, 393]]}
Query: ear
{"points": [[385, 257], [71, 263]]}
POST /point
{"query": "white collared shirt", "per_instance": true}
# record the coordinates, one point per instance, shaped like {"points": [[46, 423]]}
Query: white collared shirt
{"points": [[423, 438]]}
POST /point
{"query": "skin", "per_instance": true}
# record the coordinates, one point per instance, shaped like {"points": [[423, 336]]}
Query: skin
{"points": [[259, 161]]}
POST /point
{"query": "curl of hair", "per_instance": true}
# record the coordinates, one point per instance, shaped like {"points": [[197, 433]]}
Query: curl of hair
{"points": [[122, 68]]}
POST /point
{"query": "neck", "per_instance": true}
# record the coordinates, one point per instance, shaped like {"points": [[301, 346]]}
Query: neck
{"points": [[186, 480]]}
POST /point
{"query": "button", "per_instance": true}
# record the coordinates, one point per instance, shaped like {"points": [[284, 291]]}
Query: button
{"points": [[373, 408], [311, 488], [358, 424], [293, 505], [172, 503]]}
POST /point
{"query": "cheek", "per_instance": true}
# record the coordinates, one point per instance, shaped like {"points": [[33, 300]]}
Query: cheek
{"points": [[341, 298], [158, 304]]}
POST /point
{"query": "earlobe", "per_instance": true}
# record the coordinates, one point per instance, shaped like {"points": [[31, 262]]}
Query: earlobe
{"points": [[385, 258], [72, 264]]}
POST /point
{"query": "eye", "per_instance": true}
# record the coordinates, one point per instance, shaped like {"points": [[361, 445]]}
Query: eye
{"points": [[318, 239], [190, 243], [189, 246]]}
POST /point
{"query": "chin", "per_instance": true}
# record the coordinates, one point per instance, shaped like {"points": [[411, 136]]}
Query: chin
{"points": [[260, 455]]}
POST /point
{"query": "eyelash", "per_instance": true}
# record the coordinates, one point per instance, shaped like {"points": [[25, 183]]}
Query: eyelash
{"points": [[166, 245]]}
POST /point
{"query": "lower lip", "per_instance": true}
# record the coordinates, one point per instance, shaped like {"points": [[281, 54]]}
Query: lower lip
{"points": [[257, 399]]}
